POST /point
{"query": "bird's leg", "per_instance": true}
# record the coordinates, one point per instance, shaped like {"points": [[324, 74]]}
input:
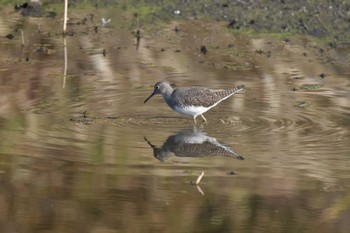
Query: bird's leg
{"points": [[205, 120], [194, 119]]}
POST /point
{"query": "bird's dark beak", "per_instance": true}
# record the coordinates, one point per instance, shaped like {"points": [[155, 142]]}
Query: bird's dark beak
{"points": [[153, 93]]}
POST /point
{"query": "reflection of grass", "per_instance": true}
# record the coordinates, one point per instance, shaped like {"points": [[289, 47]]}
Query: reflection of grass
{"points": [[168, 69], [292, 17], [341, 205]]}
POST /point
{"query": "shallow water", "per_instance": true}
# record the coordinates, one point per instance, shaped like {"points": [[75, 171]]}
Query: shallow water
{"points": [[82, 153]]}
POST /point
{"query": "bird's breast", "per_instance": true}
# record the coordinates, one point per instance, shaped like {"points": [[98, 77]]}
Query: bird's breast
{"points": [[190, 110]]}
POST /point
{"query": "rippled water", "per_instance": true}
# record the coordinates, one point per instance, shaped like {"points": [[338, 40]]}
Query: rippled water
{"points": [[82, 153]]}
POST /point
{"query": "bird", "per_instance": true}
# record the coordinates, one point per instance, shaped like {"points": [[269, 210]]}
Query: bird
{"points": [[193, 100]]}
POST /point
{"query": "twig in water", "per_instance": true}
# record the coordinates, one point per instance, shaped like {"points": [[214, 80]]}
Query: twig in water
{"points": [[22, 36], [39, 25], [65, 62], [200, 190], [85, 114], [65, 16], [199, 178], [136, 15]]}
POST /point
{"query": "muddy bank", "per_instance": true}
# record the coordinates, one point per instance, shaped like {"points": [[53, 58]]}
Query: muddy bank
{"points": [[323, 23], [327, 19], [316, 18]]}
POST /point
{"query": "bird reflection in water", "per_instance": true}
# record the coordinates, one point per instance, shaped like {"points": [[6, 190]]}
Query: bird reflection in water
{"points": [[192, 144]]}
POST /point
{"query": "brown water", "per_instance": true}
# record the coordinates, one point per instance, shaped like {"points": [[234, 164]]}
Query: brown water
{"points": [[82, 153]]}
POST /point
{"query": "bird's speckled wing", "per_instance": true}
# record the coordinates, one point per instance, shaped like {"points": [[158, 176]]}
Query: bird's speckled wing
{"points": [[201, 96]]}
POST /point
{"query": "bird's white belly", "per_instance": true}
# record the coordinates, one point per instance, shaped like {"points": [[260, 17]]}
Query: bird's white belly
{"points": [[191, 110]]}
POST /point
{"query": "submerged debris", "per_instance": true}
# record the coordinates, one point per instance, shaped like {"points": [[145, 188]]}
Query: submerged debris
{"points": [[204, 49], [83, 119], [10, 36], [232, 173], [310, 87], [199, 178], [302, 104]]}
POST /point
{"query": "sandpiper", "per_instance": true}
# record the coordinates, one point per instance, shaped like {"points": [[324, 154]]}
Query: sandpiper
{"points": [[192, 101]]}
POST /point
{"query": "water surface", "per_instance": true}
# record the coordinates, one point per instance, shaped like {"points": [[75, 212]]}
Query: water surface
{"points": [[81, 152]]}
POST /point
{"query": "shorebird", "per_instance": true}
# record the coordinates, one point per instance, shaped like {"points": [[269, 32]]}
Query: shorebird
{"points": [[192, 101]]}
